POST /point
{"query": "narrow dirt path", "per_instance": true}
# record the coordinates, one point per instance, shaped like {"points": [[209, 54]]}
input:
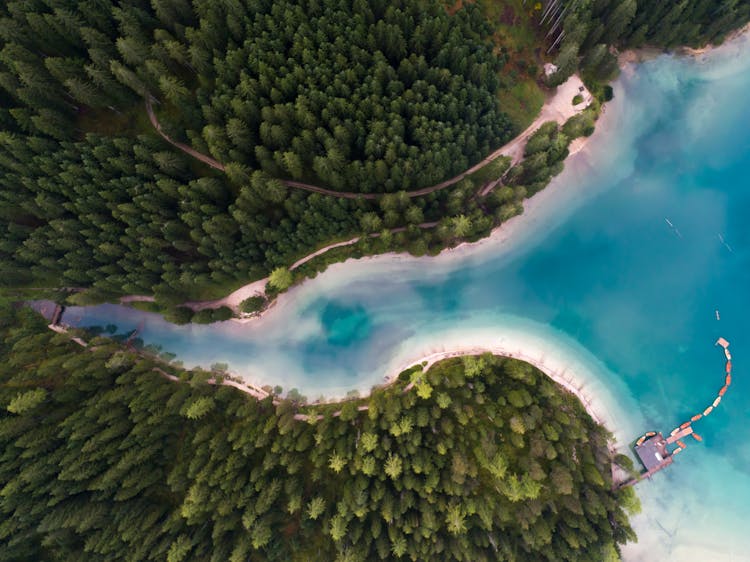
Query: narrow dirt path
{"points": [[558, 107], [185, 148], [235, 298]]}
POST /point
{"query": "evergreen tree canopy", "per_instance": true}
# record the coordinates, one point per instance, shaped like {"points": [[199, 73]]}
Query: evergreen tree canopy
{"points": [[107, 459], [377, 97]]}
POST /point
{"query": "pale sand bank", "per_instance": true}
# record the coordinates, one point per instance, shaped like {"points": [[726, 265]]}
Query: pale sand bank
{"points": [[542, 212], [555, 370], [563, 360], [630, 57], [545, 209], [558, 107], [731, 39]]}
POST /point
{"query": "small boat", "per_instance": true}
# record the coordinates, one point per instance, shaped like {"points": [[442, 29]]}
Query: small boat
{"points": [[681, 444], [670, 223], [708, 410], [729, 367], [674, 431], [697, 437], [716, 402], [684, 425], [728, 380], [650, 433], [640, 441], [677, 450], [717, 314], [723, 391], [696, 417]]}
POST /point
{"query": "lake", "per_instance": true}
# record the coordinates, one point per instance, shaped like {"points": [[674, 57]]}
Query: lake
{"points": [[616, 273]]}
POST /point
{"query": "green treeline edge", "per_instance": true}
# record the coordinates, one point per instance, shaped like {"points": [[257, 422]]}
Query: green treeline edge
{"points": [[378, 97], [103, 458]]}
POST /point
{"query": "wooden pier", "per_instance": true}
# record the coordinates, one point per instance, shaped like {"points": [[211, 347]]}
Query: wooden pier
{"points": [[652, 447], [648, 474], [57, 315]]}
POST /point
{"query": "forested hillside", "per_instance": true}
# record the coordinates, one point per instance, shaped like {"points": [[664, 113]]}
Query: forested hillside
{"points": [[371, 97], [103, 458], [587, 29]]}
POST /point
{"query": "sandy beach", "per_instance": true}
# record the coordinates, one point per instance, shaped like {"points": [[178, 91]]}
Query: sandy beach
{"points": [[555, 365], [733, 36], [554, 369], [681, 518], [558, 107], [541, 212], [537, 209], [566, 363], [553, 353], [537, 212]]}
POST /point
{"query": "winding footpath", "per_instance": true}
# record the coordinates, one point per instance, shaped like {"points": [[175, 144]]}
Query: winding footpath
{"points": [[558, 376], [258, 288], [558, 108], [184, 147]]}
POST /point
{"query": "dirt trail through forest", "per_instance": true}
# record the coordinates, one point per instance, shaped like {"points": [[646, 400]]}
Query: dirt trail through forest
{"points": [[558, 107]]}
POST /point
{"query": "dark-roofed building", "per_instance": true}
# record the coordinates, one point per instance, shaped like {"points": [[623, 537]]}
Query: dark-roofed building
{"points": [[652, 452]]}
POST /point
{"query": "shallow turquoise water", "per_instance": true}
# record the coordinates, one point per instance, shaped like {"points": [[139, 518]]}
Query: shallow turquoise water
{"points": [[601, 274]]}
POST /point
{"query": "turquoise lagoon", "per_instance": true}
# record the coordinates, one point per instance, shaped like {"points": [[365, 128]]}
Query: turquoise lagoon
{"points": [[593, 279]]}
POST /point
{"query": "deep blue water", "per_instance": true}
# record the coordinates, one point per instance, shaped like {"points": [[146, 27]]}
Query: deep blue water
{"points": [[600, 275]]}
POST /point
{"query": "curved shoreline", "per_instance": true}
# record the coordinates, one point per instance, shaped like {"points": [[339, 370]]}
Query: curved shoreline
{"points": [[500, 235], [557, 107], [258, 288], [554, 372], [569, 383], [536, 214], [560, 377], [505, 231], [669, 522], [551, 110]]}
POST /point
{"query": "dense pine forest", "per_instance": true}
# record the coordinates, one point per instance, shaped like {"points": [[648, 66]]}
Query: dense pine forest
{"points": [[590, 28], [366, 97], [372, 97], [103, 458]]}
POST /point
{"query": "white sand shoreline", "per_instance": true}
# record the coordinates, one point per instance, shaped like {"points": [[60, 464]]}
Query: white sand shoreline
{"points": [[502, 235], [558, 373], [535, 207], [537, 211], [554, 366]]}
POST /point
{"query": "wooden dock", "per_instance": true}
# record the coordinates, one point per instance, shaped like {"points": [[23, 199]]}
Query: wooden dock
{"points": [[648, 474], [652, 449], [57, 315]]}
